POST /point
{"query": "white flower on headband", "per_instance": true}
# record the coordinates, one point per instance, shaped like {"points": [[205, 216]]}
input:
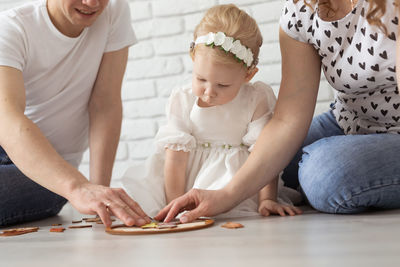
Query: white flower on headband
{"points": [[237, 46], [228, 44], [219, 38], [210, 38], [249, 57], [242, 53]]}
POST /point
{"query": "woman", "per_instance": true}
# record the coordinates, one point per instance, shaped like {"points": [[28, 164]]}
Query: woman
{"points": [[349, 161]]}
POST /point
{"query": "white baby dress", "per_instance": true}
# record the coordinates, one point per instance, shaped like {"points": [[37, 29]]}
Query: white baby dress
{"points": [[217, 138]]}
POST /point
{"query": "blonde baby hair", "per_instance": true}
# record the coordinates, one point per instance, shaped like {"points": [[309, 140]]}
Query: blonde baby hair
{"points": [[235, 23]]}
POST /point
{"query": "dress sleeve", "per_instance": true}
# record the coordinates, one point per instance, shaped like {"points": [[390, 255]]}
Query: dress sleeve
{"points": [[121, 33], [176, 135], [295, 19], [264, 101]]}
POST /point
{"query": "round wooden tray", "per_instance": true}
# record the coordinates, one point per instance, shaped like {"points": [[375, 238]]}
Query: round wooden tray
{"points": [[134, 230]]}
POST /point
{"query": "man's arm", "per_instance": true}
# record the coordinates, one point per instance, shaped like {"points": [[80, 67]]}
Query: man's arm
{"points": [[105, 111], [25, 144]]}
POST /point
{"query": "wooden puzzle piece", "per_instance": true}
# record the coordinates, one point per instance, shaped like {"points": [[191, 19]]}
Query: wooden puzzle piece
{"points": [[19, 231], [232, 225], [80, 226], [57, 230]]}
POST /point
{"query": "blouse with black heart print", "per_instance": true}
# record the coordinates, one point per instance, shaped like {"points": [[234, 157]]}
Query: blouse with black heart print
{"points": [[358, 60]]}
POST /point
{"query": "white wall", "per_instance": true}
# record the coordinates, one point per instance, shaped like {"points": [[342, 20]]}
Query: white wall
{"points": [[160, 62]]}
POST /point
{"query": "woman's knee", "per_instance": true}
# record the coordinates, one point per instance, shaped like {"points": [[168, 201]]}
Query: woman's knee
{"points": [[349, 174], [326, 176]]}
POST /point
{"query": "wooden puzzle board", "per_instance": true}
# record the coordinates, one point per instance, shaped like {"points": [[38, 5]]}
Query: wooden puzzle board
{"points": [[134, 230]]}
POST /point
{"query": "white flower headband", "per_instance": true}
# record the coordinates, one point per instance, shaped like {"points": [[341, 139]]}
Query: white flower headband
{"points": [[228, 44]]}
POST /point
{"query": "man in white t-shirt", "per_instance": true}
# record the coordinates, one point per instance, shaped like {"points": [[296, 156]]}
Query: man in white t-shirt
{"points": [[61, 67]]}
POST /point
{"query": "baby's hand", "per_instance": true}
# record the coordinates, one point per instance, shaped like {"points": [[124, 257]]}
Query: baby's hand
{"points": [[267, 207]]}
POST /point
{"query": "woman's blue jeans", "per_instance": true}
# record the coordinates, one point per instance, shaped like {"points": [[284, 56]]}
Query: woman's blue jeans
{"points": [[21, 199], [346, 173]]}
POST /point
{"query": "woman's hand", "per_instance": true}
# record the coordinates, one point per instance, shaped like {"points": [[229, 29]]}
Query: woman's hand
{"points": [[198, 203], [267, 207], [90, 198]]}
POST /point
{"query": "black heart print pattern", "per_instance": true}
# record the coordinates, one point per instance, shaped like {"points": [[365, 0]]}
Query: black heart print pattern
{"points": [[358, 61]]}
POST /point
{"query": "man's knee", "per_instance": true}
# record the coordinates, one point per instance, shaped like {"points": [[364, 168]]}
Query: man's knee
{"points": [[11, 216], [28, 202]]}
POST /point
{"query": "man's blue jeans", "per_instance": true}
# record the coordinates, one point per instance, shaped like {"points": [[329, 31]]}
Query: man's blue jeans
{"points": [[346, 173], [21, 199]]}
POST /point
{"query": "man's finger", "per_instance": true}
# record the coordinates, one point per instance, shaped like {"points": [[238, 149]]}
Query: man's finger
{"points": [[126, 215], [134, 206], [104, 214], [123, 211]]}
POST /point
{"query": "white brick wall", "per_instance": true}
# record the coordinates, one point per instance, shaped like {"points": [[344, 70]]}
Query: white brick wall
{"points": [[160, 62]]}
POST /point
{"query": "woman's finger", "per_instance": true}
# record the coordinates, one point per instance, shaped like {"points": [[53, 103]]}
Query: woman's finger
{"points": [[163, 212], [192, 215], [174, 210], [178, 205]]}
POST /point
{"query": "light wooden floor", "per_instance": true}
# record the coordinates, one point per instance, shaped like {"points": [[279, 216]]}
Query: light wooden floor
{"points": [[312, 239]]}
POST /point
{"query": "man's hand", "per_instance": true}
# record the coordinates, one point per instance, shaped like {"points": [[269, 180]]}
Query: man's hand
{"points": [[89, 198], [198, 203]]}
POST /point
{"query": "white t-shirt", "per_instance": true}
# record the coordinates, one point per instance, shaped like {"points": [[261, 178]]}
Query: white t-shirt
{"points": [[59, 72], [358, 60]]}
